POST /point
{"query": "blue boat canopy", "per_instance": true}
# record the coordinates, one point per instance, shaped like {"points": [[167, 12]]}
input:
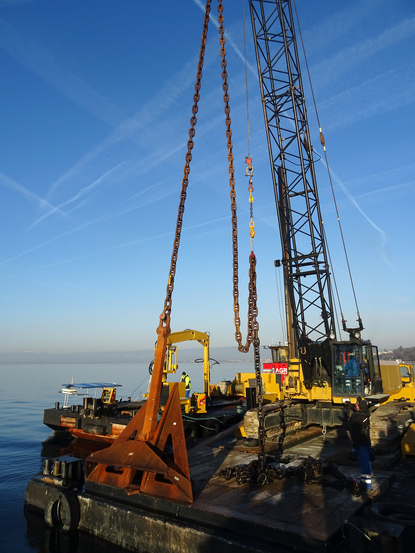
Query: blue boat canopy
{"points": [[92, 385]]}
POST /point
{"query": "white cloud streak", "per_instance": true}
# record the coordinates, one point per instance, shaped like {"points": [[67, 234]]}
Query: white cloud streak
{"points": [[84, 191], [135, 243], [28, 194], [97, 220], [129, 128], [334, 66], [43, 64], [381, 94], [353, 200]]}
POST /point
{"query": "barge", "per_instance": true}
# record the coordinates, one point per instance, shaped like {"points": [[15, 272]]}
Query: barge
{"points": [[284, 515]]}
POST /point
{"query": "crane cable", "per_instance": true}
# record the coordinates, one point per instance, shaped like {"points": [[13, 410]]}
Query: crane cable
{"points": [[170, 284], [322, 140]]}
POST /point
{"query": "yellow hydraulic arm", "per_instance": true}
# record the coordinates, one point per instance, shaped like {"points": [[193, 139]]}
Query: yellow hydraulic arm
{"points": [[185, 336]]}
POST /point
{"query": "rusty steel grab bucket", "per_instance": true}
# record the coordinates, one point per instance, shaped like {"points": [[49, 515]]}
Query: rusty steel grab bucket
{"points": [[138, 460]]}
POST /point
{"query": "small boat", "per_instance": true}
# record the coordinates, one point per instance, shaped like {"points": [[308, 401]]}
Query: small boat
{"points": [[98, 418]]}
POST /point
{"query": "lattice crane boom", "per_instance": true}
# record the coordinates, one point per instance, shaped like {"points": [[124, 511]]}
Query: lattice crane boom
{"points": [[309, 302]]}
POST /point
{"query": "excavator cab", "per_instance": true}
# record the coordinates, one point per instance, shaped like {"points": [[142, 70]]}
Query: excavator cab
{"points": [[356, 369]]}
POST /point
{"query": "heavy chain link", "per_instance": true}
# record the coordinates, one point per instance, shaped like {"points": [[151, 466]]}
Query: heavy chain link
{"points": [[185, 182], [252, 297], [310, 471], [253, 327]]}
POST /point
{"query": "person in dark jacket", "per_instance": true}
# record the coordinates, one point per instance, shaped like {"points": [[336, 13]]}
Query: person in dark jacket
{"points": [[360, 433]]}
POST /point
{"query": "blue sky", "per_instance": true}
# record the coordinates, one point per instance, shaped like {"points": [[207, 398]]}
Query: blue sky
{"points": [[95, 106]]}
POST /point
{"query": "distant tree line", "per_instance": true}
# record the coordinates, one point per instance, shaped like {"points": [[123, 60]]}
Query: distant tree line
{"points": [[406, 354]]}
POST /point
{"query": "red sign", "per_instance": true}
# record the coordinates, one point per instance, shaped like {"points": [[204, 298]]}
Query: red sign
{"points": [[276, 368]]}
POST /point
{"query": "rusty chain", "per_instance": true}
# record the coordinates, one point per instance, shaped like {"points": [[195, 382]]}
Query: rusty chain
{"points": [[252, 298], [310, 471], [168, 301], [253, 327]]}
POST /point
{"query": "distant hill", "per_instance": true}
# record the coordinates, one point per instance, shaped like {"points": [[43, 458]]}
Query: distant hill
{"points": [[228, 354], [406, 354], [223, 355]]}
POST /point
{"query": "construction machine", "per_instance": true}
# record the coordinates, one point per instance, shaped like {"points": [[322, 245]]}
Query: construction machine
{"points": [[317, 374], [323, 373]]}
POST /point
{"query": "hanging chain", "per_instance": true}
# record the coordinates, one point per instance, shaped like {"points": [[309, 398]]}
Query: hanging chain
{"points": [[252, 298], [167, 302], [253, 327]]}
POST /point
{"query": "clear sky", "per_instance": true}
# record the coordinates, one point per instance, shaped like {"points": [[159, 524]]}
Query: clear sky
{"points": [[95, 105]]}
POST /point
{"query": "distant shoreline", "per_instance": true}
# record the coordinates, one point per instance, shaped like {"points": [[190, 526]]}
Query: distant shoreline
{"points": [[222, 355]]}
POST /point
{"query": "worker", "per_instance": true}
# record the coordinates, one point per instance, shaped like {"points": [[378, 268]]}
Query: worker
{"points": [[187, 381], [352, 367], [351, 372], [360, 433]]}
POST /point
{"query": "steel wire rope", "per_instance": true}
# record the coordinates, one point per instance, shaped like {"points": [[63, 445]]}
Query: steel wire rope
{"points": [[331, 185], [139, 386]]}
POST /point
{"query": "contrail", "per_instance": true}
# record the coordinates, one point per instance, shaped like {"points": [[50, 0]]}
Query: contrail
{"points": [[357, 206], [133, 243], [82, 192], [28, 194], [161, 102], [105, 217]]}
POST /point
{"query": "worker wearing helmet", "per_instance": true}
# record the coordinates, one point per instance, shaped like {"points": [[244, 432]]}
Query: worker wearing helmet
{"points": [[360, 433], [187, 381]]}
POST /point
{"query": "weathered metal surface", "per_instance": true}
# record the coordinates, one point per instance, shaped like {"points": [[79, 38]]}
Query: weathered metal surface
{"points": [[68, 422], [138, 465]]}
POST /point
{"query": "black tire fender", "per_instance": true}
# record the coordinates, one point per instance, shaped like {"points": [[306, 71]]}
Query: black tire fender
{"points": [[62, 510], [210, 427], [190, 431]]}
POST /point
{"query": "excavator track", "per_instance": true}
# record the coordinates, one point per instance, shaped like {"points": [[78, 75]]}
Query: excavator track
{"points": [[388, 424]]}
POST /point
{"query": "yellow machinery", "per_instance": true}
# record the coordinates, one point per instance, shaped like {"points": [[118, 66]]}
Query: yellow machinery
{"points": [[196, 404], [403, 378], [108, 396]]}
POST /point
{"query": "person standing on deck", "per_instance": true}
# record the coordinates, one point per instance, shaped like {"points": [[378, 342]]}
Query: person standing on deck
{"points": [[187, 381], [360, 433]]}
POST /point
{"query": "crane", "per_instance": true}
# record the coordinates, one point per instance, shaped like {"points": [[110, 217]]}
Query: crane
{"points": [[321, 368], [323, 372]]}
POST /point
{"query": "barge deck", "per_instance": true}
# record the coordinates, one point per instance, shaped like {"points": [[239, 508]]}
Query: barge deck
{"points": [[285, 515]]}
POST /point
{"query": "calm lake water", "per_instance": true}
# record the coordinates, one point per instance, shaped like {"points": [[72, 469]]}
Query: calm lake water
{"points": [[25, 391]]}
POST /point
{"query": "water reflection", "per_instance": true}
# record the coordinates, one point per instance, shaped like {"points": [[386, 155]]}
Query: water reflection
{"points": [[44, 539], [62, 443]]}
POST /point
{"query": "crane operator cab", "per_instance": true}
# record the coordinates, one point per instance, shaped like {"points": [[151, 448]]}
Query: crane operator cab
{"points": [[356, 369]]}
